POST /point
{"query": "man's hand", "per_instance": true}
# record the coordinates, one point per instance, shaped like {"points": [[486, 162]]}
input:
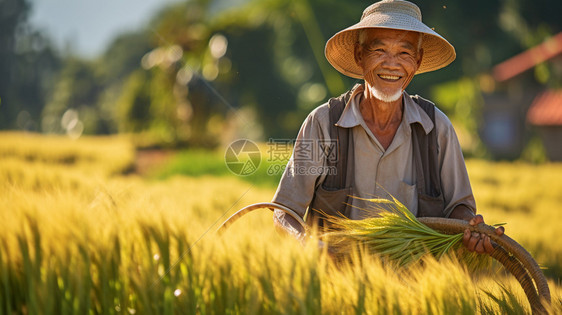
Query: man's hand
{"points": [[473, 241], [476, 242]]}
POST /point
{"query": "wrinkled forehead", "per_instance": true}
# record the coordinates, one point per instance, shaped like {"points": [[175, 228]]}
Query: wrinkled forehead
{"points": [[386, 34]]}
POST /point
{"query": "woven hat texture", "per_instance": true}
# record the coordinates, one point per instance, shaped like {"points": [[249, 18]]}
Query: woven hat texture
{"points": [[390, 14]]}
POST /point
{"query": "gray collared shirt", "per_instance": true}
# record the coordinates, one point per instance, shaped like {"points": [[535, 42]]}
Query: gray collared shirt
{"points": [[378, 173]]}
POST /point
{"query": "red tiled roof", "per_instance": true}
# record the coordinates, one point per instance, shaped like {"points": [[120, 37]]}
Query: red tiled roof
{"points": [[528, 59], [546, 109]]}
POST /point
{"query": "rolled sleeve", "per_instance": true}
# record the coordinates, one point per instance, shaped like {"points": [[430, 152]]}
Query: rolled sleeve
{"points": [[304, 169]]}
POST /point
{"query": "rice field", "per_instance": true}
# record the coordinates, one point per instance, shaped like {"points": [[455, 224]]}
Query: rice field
{"points": [[82, 233]]}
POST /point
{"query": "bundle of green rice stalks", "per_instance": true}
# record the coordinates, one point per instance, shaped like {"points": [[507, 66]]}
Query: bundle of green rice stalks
{"points": [[396, 235]]}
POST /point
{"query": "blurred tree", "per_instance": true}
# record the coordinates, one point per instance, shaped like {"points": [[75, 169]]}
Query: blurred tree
{"points": [[34, 70], [27, 66], [278, 65], [133, 107], [123, 56], [263, 55], [12, 14], [77, 89], [120, 60], [91, 88], [155, 99]]}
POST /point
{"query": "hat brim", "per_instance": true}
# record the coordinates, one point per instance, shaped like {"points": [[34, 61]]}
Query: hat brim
{"points": [[340, 49]]}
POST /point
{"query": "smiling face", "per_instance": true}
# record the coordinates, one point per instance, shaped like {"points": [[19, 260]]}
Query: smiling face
{"points": [[389, 59]]}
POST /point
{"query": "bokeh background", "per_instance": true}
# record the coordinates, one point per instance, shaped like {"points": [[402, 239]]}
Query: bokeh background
{"points": [[202, 73], [115, 123]]}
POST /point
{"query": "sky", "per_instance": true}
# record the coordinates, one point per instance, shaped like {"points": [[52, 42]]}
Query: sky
{"points": [[90, 25]]}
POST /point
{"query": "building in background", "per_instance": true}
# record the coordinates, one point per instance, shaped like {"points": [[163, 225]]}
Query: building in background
{"points": [[525, 100], [546, 115]]}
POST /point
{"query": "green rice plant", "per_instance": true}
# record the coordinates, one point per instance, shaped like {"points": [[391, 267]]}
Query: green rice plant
{"points": [[394, 234]]}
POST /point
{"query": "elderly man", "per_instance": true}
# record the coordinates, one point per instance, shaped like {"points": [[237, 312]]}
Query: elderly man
{"points": [[376, 140]]}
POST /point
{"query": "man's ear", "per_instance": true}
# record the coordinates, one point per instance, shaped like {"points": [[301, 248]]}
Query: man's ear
{"points": [[358, 54]]}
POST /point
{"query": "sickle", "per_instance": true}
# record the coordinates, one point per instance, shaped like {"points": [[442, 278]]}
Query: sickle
{"points": [[506, 251], [260, 205]]}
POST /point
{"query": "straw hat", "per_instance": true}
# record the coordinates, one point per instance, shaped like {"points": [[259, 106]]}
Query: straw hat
{"points": [[391, 14]]}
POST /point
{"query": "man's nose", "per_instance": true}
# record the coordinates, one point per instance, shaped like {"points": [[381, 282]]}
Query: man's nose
{"points": [[391, 61]]}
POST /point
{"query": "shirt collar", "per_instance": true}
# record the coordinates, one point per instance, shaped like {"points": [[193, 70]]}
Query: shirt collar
{"points": [[351, 115], [413, 113]]}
